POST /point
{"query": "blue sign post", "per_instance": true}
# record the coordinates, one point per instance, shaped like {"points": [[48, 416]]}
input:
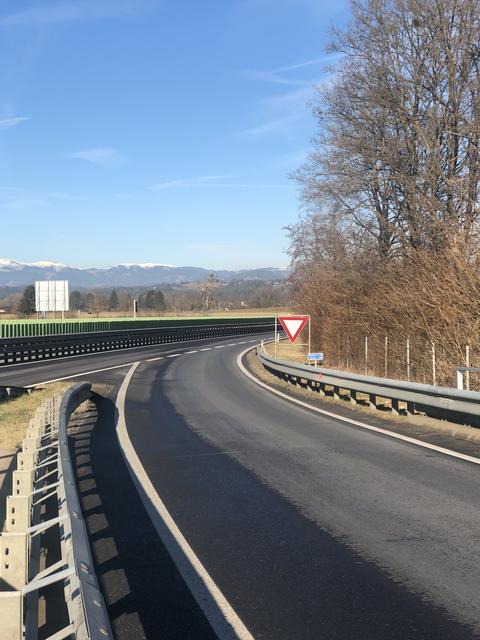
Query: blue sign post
{"points": [[315, 357]]}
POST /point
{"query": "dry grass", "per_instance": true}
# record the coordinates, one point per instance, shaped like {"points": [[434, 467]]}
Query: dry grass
{"points": [[288, 351], [15, 414]]}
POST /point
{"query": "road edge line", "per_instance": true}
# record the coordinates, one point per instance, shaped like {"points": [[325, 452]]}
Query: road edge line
{"points": [[356, 423], [218, 611]]}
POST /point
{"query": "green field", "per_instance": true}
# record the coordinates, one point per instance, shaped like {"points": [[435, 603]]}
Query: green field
{"points": [[28, 328]]}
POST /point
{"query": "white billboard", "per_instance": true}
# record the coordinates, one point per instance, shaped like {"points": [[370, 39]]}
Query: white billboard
{"points": [[51, 295]]}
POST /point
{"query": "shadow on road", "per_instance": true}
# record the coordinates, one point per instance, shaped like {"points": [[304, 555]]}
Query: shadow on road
{"points": [[145, 594]]}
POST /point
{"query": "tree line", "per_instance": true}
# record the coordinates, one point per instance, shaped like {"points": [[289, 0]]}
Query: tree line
{"points": [[205, 296], [94, 303], [387, 243]]}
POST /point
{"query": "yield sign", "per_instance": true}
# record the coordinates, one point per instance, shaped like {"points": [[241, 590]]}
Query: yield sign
{"points": [[293, 325]]}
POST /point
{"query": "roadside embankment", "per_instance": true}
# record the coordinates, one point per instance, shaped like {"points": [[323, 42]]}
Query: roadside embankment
{"points": [[15, 414]]}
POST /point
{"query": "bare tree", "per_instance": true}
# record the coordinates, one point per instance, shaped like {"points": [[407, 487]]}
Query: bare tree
{"points": [[388, 243]]}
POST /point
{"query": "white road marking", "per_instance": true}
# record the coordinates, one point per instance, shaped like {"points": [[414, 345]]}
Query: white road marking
{"points": [[78, 375], [356, 423], [225, 622], [117, 366], [232, 344], [220, 346]]}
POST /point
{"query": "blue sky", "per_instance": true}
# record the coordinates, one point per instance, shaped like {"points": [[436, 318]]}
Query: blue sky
{"points": [[156, 130]]}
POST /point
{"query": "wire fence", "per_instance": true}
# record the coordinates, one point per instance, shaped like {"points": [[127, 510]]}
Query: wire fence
{"points": [[412, 359]]}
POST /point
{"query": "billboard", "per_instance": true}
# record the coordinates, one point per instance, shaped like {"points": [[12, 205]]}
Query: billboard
{"points": [[51, 295]]}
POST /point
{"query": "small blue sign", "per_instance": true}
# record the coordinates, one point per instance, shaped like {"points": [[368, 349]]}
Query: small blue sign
{"points": [[315, 356]]}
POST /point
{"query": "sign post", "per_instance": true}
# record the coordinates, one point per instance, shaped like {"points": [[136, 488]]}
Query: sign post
{"points": [[276, 335], [293, 326], [315, 357]]}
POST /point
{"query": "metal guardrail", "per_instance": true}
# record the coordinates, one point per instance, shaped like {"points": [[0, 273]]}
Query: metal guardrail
{"points": [[38, 348], [44, 475], [420, 396]]}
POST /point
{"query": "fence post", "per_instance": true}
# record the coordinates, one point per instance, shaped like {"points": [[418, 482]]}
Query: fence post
{"points": [[408, 359], [434, 373], [459, 380], [467, 364], [386, 355], [366, 355]]}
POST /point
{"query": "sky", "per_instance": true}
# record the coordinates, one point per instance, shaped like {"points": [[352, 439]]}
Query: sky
{"points": [[157, 131]]}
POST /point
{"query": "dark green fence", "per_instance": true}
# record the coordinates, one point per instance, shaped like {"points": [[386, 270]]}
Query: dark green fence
{"points": [[29, 328]]}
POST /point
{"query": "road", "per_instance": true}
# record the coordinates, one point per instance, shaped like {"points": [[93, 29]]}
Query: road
{"points": [[310, 528]]}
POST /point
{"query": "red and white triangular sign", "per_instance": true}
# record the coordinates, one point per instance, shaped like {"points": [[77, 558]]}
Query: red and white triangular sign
{"points": [[293, 325]]}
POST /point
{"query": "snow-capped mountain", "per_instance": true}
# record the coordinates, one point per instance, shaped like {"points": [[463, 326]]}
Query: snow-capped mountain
{"points": [[14, 274]]}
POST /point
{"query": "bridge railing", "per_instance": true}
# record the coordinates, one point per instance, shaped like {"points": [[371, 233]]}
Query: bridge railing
{"points": [[38, 348], [44, 476]]}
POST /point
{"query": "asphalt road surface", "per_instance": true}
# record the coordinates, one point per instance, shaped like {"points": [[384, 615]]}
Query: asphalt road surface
{"points": [[309, 527]]}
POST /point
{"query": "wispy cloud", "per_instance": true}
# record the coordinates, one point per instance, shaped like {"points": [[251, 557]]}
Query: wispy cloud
{"points": [[106, 157], [273, 77], [280, 112], [63, 12], [192, 182], [275, 125], [330, 57], [8, 123], [289, 99], [282, 75], [213, 182]]}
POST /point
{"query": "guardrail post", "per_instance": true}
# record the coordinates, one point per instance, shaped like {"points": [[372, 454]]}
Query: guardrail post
{"points": [[31, 444], [26, 460], [22, 482], [372, 401], [18, 513], [353, 397], [14, 560], [395, 408]]}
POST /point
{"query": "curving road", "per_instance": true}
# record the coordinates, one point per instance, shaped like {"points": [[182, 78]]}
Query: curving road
{"points": [[308, 527]]}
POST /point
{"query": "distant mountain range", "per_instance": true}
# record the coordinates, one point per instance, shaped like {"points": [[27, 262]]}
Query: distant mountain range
{"points": [[16, 274]]}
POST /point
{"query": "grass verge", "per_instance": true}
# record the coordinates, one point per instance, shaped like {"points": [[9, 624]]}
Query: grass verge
{"points": [[15, 414]]}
